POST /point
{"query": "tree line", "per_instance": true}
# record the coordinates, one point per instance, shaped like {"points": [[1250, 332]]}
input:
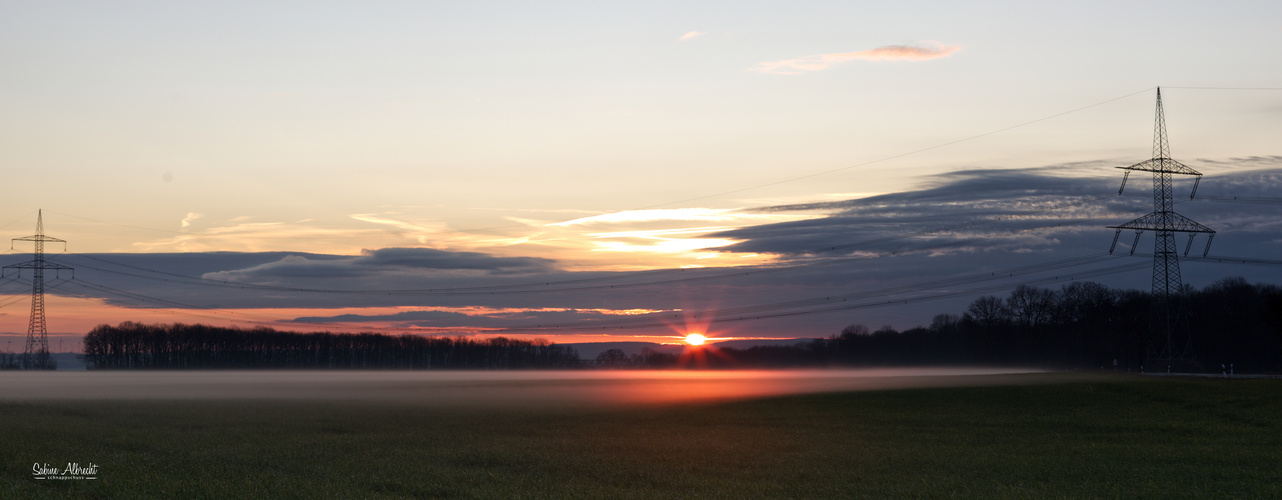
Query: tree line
{"points": [[132, 345], [10, 361], [33, 361], [1079, 325]]}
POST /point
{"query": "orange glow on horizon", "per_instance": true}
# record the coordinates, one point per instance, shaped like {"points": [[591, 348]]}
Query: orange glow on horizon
{"points": [[71, 317]]}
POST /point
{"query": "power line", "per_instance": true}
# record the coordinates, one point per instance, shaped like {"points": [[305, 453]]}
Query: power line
{"points": [[998, 275], [756, 311], [1226, 88], [720, 315], [845, 307], [19, 219], [1256, 200], [1225, 259]]}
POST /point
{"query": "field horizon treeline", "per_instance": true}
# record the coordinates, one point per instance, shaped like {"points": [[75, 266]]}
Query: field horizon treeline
{"points": [[1079, 325], [179, 346]]}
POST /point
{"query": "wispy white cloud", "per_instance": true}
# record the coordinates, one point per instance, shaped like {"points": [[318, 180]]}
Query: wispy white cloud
{"points": [[237, 235], [685, 214], [191, 216], [921, 52], [690, 35]]}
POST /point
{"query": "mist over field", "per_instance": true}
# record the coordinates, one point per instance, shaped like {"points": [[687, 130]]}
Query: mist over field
{"points": [[514, 389]]}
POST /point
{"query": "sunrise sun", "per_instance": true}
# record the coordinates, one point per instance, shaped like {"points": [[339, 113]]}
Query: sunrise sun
{"points": [[696, 339]]}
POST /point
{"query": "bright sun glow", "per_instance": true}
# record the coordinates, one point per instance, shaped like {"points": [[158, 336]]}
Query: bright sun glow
{"points": [[696, 339]]}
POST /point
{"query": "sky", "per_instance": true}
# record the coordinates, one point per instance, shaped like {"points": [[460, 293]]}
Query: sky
{"points": [[386, 150]]}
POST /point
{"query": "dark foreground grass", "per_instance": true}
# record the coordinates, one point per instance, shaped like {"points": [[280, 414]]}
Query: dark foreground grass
{"points": [[1092, 438]]}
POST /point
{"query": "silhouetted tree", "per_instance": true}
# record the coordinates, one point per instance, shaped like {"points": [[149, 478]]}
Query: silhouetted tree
{"points": [[650, 358], [613, 358], [138, 346], [1031, 306], [9, 361]]}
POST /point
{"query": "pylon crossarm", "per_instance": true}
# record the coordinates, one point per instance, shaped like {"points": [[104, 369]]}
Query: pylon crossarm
{"points": [[1182, 224], [1170, 222], [1162, 165], [36, 264], [39, 237]]}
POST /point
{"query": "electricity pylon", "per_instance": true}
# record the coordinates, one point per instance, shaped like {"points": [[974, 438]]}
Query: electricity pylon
{"points": [[36, 355], [1168, 314]]}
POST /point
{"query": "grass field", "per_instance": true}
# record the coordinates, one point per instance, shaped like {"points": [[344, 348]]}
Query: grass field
{"points": [[1066, 437]]}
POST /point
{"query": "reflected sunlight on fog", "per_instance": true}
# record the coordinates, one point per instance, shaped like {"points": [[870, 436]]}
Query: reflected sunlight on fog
{"points": [[488, 388]]}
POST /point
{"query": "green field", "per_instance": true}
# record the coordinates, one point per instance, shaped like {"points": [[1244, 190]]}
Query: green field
{"points": [[1068, 437]]}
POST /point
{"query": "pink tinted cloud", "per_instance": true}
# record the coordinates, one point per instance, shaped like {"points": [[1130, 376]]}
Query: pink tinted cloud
{"points": [[920, 52], [691, 34]]}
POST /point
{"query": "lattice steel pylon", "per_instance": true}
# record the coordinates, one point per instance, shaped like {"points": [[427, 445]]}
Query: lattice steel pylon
{"points": [[1167, 310], [36, 355]]}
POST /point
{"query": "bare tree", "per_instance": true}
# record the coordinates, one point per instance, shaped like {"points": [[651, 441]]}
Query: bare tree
{"points": [[855, 330], [944, 323], [613, 358], [1031, 306], [989, 311]]}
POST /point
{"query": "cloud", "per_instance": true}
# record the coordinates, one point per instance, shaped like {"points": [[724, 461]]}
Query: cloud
{"points": [[690, 35], [477, 317], [695, 214], [922, 52], [347, 235], [242, 234], [1240, 163], [191, 216], [660, 240], [950, 199], [429, 258], [651, 238], [385, 260]]}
